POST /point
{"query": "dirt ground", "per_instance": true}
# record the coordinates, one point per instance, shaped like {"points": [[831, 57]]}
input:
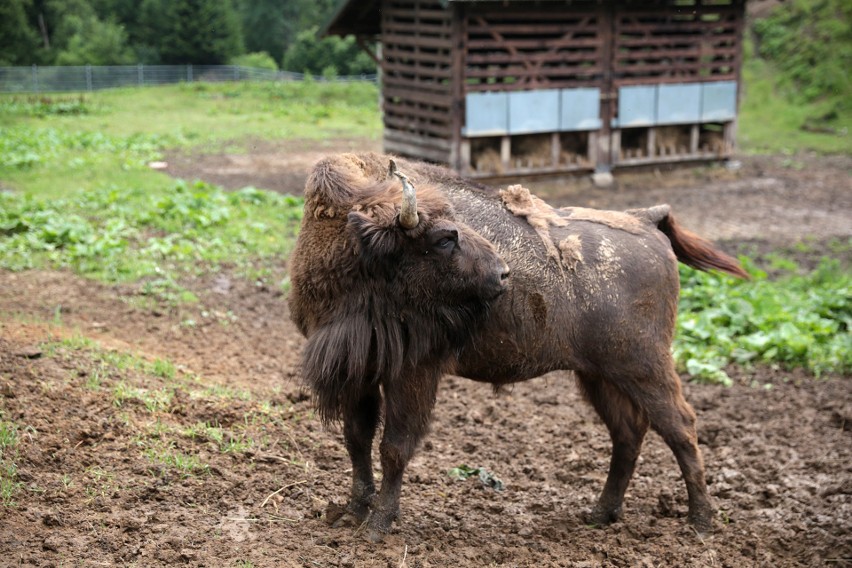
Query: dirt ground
{"points": [[103, 484]]}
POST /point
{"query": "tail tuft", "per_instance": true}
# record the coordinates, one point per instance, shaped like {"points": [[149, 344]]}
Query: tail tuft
{"points": [[697, 252]]}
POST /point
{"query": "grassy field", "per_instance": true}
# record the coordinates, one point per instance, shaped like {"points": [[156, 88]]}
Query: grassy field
{"points": [[80, 196], [84, 197], [770, 123]]}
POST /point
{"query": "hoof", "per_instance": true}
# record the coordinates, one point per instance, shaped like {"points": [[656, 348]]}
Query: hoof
{"points": [[703, 525], [375, 536], [351, 515], [379, 524], [600, 516]]}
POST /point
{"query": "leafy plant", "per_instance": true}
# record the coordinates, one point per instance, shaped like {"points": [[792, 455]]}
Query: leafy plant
{"points": [[485, 477], [126, 234], [795, 321]]}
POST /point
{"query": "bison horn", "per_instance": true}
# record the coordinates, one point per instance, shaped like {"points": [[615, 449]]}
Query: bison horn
{"points": [[408, 213]]}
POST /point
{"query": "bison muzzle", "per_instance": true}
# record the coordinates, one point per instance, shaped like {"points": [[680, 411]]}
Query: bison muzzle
{"points": [[402, 275]]}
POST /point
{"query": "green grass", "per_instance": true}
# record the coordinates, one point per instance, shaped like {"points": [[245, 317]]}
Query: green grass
{"points": [[770, 121], [126, 234], [204, 113], [9, 483], [82, 196], [168, 455], [795, 320]]}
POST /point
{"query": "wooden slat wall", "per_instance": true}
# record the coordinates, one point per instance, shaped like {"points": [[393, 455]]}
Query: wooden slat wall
{"points": [[525, 46], [676, 41], [416, 68]]}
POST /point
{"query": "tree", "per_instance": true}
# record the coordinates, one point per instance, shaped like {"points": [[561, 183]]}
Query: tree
{"points": [[314, 55], [93, 42], [269, 25], [190, 31], [18, 40]]}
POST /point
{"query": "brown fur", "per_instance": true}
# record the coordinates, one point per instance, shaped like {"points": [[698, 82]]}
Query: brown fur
{"points": [[386, 311]]}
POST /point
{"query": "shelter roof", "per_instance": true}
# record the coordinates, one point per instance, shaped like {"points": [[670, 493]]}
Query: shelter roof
{"points": [[363, 17]]}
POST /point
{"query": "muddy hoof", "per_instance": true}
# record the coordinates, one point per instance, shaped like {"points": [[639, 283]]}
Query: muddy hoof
{"points": [[702, 525], [601, 517], [379, 524], [375, 536]]}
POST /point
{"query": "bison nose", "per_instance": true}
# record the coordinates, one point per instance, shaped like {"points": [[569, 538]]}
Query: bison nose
{"points": [[504, 272]]}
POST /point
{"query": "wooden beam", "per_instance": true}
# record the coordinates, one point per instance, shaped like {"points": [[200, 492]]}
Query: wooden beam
{"points": [[362, 43]]}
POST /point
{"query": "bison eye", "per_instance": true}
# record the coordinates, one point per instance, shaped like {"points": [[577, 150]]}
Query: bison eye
{"points": [[444, 241]]}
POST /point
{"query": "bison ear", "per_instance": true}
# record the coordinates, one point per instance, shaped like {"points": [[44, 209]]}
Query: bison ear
{"points": [[376, 241]]}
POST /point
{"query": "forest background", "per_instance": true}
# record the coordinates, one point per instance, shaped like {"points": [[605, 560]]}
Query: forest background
{"points": [[257, 33]]}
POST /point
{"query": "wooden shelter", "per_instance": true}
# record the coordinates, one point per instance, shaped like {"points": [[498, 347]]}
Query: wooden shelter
{"points": [[509, 87]]}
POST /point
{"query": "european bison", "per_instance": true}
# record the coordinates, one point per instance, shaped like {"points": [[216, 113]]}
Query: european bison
{"points": [[393, 290]]}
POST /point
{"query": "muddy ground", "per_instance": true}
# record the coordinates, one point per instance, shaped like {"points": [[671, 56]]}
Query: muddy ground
{"points": [[219, 460]]}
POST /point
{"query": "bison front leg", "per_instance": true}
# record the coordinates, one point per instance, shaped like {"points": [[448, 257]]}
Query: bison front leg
{"points": [[408, 407], [359, 428]]}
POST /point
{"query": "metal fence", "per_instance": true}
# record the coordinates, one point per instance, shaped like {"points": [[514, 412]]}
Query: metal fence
{"points": [[37, 79]]}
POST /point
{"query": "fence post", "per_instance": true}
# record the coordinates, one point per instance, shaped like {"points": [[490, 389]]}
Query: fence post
{"points": [[89, 78], [35, 78], [236, 73], [189, 73], [141, 75]]}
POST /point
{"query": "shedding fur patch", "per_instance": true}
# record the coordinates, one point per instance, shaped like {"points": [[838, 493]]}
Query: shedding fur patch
{"points": [[571, 251], [359, 182], [612, 219], [538, 214]]}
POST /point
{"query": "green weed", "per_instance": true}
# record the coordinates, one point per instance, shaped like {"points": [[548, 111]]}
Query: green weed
{"points": [[158, 400], [121, 235], [167, 454], [43, 105], [487, 478], [8, 468], [795, 321]]}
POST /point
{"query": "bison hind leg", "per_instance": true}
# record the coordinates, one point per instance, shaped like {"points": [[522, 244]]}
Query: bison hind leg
{"points": [[656, 399], [627, 426], [674, 420]]}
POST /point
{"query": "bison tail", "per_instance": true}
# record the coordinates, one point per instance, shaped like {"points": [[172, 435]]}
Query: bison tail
{"points": [[697, 252]]}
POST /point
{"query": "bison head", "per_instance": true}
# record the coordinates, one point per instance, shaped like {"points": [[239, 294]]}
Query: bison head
{"points": [[423, 263], [412, 290]]}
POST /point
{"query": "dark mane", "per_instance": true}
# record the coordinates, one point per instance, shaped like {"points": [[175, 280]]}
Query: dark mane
{"points": [[372, 340]]}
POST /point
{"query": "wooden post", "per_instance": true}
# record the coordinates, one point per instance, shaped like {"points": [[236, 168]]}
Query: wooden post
{"points": [[555, 149], [457, 103], [464, 157], [506, 152], [615, 136], [693, 139], [608, 141], [652, 142], [592, 147]]}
